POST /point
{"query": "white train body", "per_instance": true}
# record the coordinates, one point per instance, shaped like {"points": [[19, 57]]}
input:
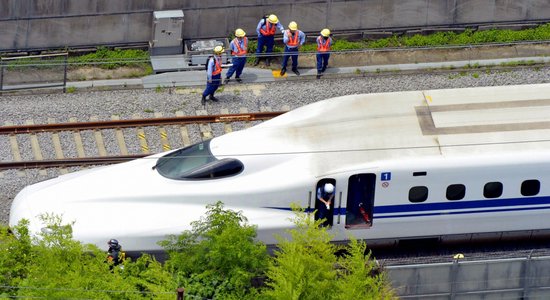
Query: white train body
{"points": [[439, 163]]}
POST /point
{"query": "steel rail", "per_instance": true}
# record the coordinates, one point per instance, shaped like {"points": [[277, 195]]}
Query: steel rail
{"points": [[69, 162], [35, 128]]}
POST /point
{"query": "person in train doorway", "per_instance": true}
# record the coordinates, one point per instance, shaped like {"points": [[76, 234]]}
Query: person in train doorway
{"points": [[324, 42], [115, 254], [266, 29], [325, 194], [239, 47], [213, 75], [293, 39]]}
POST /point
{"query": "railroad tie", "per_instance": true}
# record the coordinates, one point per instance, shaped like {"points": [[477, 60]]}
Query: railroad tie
{"points": [[57, 146], [141, 136], [183, 130], [36, 151], [205, 129], [163, 135], [16, 154], [120, 138], [226, 126], [101, 150], [78, 140]]}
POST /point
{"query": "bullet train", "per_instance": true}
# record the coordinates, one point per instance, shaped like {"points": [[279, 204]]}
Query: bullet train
{"points": [[454, 164]]}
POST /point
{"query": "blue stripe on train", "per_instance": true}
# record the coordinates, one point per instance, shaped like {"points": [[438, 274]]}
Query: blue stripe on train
{"points": [[451, 207]]}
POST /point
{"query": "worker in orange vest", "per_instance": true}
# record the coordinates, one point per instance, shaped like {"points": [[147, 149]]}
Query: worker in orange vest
{"points": [[213, 75], [324, 42], [239, 47], [293, 39], [266, 29]]}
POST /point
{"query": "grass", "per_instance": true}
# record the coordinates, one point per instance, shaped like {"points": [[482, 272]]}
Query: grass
{"points": [[70, 89]]}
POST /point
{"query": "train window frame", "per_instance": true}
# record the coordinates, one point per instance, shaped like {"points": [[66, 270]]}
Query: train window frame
{"points": [[528, 189], [493, 189], [455, 192], [215, 169], [418, 194]]}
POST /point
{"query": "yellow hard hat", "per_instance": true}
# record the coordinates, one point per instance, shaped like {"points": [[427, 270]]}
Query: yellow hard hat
{"points": [[218, 49], [239, 33], [273, 19], [293, 26], [325, 32]]}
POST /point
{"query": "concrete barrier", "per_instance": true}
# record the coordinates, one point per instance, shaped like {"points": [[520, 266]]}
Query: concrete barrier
{"points": [[28, 24]]}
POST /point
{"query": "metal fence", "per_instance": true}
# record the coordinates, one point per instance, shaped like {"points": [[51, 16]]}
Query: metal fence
{"points": [[32, 72], [517, 278]]}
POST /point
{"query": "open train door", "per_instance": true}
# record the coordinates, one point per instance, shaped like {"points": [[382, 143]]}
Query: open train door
{"points": [[322, 210], [360, 202]]}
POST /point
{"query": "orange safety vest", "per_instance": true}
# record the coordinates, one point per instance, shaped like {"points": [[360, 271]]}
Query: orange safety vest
{"points": [[240, 51], [217, 66], [292, 40], [269, 29], [323, 47]]}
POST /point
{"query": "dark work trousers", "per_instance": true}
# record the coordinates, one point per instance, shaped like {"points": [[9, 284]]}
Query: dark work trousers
{"points": [[238, 66], [322, 61], [212, 87], [268, 42], [288, 53]]}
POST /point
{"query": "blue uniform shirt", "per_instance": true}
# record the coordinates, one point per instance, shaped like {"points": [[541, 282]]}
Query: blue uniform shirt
{"points": [[261, 24], [212, 66]]}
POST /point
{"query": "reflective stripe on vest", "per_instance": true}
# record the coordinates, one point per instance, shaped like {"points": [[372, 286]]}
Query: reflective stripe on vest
{"points": [[269, 29], [292, 40], [240, 51], [217, 66], [323, 47]]}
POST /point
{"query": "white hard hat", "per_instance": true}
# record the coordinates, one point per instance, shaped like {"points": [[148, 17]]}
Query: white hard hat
{"points": [[329, 187], [293, 26]]}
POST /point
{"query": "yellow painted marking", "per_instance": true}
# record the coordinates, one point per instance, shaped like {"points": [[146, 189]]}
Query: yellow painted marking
{"points": [[205, 129], [277, 74], [183, 130], [244, 110], [141, 135], [15, 150], [57, 146], [78, 140], [120, 138], [226, 126], [35, 145], [429, 98], [163, 135], [99, 139]]}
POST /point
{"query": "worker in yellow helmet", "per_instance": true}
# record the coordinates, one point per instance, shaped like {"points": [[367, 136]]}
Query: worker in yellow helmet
{"points": [[266, 36], [213, 74], [239, 48], [324, 42], [293, 39]]}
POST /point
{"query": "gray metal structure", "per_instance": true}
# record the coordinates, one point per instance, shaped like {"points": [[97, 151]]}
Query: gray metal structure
{"points": [[515, 278], [29, 24], [167, 33]]}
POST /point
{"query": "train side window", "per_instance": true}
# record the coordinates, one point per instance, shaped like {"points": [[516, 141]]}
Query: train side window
{"points": [[456, 192], [530, 187], [418, 194], [492, 189]]}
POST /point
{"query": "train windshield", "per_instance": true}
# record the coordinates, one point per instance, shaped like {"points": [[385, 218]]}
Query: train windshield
{"points": [[196, 162]]}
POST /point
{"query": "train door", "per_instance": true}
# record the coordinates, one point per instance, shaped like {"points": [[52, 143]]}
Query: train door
{"points": [[322, 210], [360, 202]]}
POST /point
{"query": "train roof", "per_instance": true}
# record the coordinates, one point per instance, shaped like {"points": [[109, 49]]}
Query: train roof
{"points": [[345, 132]]}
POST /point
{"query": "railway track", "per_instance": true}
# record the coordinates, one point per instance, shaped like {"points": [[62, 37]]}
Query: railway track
{"points": [[90, 138]]}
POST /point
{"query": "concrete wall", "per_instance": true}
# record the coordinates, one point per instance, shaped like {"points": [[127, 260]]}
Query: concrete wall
{"points": [[39, 24]]}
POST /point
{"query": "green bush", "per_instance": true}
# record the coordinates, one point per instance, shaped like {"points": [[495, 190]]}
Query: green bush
{"points": [[111, 59]]}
